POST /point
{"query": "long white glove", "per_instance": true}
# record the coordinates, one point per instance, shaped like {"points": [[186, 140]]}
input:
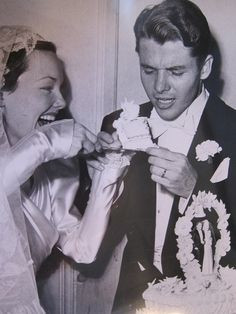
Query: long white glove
{"points": [[61, 139], [82, 243]]}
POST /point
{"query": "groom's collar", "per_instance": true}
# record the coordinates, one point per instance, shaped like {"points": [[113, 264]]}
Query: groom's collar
{"points": [[188, 120]]}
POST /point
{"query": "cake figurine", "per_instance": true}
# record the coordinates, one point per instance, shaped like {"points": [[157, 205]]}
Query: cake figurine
{"points": [[208, 287], [133, 130]]}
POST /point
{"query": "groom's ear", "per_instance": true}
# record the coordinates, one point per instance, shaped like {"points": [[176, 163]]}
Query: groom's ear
{"points": [[206, 67]]}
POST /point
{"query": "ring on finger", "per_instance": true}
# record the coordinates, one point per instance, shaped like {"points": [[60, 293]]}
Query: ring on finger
{"points": [[163, 173]]}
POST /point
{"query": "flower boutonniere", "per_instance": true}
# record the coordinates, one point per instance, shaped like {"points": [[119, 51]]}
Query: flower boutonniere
{"points": [[206, 150]]}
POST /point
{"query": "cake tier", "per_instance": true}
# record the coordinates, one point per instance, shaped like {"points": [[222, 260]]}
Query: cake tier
{"points": [[220, 302]]}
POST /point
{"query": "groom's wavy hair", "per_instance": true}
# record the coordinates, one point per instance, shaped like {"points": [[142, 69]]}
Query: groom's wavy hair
{"points": [[174, 20]]}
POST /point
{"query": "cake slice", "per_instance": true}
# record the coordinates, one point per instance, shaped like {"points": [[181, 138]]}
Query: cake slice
{"points": [[133, 131]]}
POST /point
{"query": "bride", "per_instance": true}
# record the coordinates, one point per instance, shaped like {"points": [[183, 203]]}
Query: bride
{"points": [[39, 176]]}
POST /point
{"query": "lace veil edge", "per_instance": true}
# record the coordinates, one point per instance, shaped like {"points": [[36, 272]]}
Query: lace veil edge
{"points": [[14, 38]]}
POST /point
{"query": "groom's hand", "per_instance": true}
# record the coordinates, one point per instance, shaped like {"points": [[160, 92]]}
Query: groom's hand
{"points": [[172, 170]]}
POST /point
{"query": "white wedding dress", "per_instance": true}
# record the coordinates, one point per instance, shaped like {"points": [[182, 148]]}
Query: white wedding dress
{"points": [[51, 217]]}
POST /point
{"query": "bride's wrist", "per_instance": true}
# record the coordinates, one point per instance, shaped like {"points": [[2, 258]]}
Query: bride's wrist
{"points": [[117, 160]]}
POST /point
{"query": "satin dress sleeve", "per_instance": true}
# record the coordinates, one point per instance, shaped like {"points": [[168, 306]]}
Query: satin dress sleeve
{"points": [[54, 217], [49, 207]]}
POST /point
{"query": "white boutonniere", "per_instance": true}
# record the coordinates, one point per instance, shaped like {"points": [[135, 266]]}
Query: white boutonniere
{"points": [[206, 150]]}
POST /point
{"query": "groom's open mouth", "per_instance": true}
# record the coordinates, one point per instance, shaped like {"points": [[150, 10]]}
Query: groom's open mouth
{"points": [[164, 103]]}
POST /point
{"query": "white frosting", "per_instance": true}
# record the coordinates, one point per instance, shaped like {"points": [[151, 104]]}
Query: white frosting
{"points": [[206, 289], [171, 296], [130, 110], [133, 131]]}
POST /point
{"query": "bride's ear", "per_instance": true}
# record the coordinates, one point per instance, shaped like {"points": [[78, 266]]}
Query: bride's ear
{"points": [[206, 67]]}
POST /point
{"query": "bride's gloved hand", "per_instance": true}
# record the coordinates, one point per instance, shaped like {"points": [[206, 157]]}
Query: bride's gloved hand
{"points": [[109, 155], [105, 142], [83, 141], [67, 138], [60, 139]]}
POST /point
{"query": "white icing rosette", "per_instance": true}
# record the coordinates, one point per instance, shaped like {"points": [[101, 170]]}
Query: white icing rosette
{"points": [[183, 226], [130, 110], [171, 285]]}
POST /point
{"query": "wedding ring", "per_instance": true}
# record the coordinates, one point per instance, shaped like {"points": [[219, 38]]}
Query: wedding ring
{"points": [[163, 173]]}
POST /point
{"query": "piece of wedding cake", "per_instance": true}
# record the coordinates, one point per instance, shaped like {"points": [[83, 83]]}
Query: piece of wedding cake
{"points": [[133, 130], [208, 288]]}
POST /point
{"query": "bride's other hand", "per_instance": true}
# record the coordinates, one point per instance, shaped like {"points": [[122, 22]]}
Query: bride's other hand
{"points": [[83, 141], [105, 142], [108, 141]]}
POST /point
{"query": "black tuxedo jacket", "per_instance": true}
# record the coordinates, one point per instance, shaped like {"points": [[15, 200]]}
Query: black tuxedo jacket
{"points": [[134, 212]]}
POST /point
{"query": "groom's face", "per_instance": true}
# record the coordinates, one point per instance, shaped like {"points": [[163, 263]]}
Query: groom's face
{"points": [[171, 77]]}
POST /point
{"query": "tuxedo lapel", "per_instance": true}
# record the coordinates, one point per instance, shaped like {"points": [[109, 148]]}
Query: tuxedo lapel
{"points": [[141, 196], [206, 131], [204, 169]]}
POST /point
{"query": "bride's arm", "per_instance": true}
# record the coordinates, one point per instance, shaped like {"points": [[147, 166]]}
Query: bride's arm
{"points": [[61, 139], [81, 241]]}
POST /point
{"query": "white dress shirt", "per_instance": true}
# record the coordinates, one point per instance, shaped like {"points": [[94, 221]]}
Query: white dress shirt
{"points": [[176, 136]]}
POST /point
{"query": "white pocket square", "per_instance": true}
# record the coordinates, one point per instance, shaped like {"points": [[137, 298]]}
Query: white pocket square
{"points": [[221, 172]]}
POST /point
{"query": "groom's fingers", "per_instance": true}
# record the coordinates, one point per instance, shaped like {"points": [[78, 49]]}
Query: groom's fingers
{"points": [[164, 158], [165, 154], [172, 170]]}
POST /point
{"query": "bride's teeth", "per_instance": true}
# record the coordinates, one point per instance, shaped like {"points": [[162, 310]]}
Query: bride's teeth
{"points": [[48, 118]]}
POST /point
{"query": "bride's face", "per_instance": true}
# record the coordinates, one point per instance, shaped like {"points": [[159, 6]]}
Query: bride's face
{"points": [[37, 97]]}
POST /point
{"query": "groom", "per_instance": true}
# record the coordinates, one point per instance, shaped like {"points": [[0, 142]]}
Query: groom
{"points": [[173, 42]]}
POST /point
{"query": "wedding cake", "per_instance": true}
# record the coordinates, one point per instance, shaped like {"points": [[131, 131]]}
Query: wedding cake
{"points": [[133, 130], [208, 288]]}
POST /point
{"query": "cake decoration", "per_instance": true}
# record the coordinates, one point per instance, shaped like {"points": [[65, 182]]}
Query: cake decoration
{"points": [[133, 130], [208, 287]]}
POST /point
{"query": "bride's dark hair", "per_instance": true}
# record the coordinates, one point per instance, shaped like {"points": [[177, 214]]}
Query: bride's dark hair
{"points": [[17, 64]]}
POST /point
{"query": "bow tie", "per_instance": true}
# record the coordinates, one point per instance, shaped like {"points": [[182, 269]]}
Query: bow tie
{"points": [[159, 126]]}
